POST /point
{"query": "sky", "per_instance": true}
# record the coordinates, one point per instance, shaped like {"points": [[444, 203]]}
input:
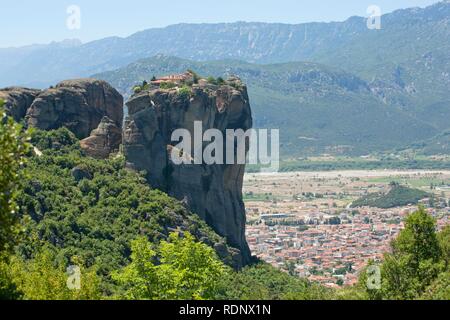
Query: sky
{"points": [[27, 22]]}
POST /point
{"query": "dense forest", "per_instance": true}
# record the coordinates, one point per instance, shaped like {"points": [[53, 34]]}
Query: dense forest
{"points": [[72, 227]]}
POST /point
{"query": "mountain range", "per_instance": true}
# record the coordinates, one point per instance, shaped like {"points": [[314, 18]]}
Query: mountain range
{"points": [[318, 109], [334, 87]]}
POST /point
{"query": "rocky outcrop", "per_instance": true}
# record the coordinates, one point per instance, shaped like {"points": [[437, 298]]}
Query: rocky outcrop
{"points": [[103, 141], [214, 192], [18, 100], [78, 105], [79, 173], [85, 106]]}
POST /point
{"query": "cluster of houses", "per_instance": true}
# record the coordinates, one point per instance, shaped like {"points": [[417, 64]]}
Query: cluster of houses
{"points": [[332, 254], [175, 78]]}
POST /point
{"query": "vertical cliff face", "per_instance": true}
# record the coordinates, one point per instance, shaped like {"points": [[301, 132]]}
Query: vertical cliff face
{"points": [[214, 192]]}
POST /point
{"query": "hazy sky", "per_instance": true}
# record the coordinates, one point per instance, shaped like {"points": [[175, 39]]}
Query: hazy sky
{"points": [[28, 21]]}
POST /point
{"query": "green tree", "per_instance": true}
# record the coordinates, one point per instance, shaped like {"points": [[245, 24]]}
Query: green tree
{"points": [[211, 80], [444, 243], [264, 282], [439, 289], [42, 278], [415, 261], [8, 290], [186, 270], [167, 85], [13, 147]]}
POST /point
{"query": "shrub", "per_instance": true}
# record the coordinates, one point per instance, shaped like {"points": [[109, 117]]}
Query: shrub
{"points": [[185, 91], [415, 262], [42, 278], [167, 85], [212, 80]]}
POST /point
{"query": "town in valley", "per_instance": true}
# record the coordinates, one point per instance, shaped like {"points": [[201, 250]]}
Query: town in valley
{"points": [[304, 222]]}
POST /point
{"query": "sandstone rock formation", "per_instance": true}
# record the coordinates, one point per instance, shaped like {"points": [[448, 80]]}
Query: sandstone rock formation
{"points": [[214, 192], [78, 105], [18, 100], [104, 140]]}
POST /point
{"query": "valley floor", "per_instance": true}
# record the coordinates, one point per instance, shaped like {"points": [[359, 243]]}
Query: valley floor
{"points": [[303, 221]]}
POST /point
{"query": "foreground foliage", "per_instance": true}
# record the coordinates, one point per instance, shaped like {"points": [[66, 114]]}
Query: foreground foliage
{"points": [[264, 282], [13, 148], [186, 270], [417, 266]]}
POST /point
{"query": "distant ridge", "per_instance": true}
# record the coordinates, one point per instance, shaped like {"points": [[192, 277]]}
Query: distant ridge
{"points": [[347, 44]]}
